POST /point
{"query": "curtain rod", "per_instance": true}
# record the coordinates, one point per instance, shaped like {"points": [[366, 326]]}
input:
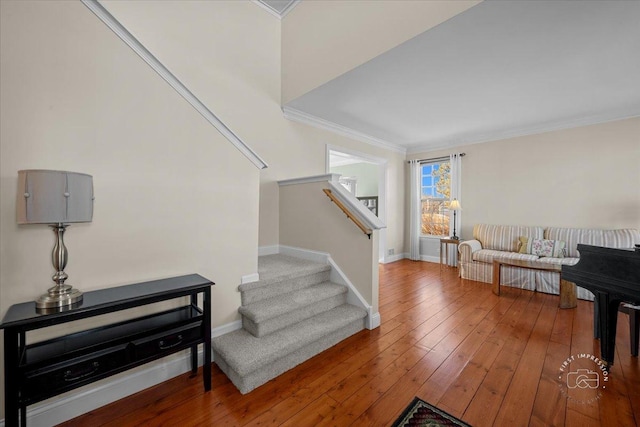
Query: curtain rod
{"points": [[437, 159]]}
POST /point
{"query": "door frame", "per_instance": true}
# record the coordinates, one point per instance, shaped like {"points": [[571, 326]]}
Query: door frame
{"points": [[382, 164]]}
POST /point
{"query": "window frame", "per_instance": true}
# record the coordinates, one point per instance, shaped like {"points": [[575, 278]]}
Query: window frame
{"points": [[433, 189]]}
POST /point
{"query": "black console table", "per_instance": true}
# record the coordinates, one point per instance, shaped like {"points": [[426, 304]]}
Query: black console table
{"points": [[38, 371]]}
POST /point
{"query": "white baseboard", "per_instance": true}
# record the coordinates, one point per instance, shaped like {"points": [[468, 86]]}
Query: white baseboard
{"points": [[374, 321], [353, 296], [398, 257], [429, 258], [268, 250], [226, 328], [249, 278], [80, 401], [307, 254], [394, 258]]}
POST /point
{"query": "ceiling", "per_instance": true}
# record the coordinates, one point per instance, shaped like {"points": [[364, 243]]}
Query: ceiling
{"points": [[499, 69]]}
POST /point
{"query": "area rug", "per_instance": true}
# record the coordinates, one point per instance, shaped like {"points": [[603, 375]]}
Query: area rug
{"points": [[421, 414]]}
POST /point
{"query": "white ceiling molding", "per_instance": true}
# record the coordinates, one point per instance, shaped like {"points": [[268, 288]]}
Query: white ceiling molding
{"points": [[289, 8], [275, 8], [343, 156], [337, 159], [302, 117], [267, 8], [514, 133], [173, 81]]}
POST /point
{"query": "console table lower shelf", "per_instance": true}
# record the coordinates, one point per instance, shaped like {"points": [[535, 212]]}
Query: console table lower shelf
{"points": [[38, 371]]}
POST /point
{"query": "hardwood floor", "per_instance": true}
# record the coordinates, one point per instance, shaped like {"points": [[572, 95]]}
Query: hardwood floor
{"points": [[486, 359]]}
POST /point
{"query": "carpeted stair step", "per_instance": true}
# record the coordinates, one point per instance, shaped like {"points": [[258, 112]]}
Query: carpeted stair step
{"points": [[272, 314], [280, 274], [249, 361]]}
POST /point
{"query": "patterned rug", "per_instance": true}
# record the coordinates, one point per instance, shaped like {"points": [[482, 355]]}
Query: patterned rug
{"points": [[421, 414]]}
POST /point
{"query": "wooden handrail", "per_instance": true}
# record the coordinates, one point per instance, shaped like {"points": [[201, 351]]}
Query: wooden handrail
{"points": [[347, 212]]}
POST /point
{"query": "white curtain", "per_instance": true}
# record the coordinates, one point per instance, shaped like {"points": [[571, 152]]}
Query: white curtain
{"points": [[455, 161], [415, 208]]}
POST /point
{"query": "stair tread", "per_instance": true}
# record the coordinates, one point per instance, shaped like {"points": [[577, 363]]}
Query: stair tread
{"points": [[245, 353], [273, 307], [277, 268]]}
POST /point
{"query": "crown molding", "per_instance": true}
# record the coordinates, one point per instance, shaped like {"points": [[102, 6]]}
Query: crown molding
{"points": [[309, 119], [267, 8], [521, 131], [274, 12], [289, 8], [173, 81]]}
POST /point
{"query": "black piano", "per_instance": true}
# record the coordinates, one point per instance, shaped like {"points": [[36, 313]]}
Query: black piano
{"points": [[613, 275]]}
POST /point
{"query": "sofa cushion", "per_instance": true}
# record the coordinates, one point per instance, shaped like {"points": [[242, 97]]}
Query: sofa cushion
{"points": [[624, 238], [504, 237], [541, 247], [488, 255]]}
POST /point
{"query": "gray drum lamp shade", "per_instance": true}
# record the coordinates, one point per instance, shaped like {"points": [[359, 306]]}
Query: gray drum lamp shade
{"points": [[53, 197]]}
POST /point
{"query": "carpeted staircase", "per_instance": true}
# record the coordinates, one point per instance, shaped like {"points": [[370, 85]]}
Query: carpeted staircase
{"points": [[291, 314]]}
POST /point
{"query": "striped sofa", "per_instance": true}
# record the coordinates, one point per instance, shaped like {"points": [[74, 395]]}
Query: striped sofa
{"points": [[492, 241]]}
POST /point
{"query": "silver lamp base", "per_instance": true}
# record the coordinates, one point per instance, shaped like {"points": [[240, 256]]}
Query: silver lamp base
{"points": [[59, 297]]}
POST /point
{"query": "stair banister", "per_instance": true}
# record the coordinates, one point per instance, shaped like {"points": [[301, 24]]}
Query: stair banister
{"points": [[355, 208], [347, 212]]}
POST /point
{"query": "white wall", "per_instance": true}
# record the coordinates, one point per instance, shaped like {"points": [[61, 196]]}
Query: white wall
{"points": [[582, 177], [74, 97], [322, 39], [228, 54], [172, 195], [367, 175]]}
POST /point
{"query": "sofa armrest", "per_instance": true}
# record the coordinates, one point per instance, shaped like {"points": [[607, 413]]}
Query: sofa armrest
{"points": [[467, 248]]}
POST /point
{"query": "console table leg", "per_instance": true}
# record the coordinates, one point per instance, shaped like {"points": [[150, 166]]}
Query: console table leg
{"points": [[194, 360], [11, 405], [194, 349], [206, 366]]}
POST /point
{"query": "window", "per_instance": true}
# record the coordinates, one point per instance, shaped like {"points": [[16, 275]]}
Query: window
{"points": [[435, 196]]}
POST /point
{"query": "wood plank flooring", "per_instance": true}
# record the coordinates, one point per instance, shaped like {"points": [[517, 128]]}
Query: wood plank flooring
{"points": [[486, 359]]}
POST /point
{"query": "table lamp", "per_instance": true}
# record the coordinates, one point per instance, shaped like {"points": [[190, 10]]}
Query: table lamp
{"points": [[455, 206], [57, 198]]}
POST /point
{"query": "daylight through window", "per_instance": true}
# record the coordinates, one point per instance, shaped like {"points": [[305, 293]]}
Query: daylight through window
{"points": [[435, 196]]}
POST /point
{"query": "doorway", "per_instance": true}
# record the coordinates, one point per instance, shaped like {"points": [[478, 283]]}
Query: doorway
{"points": [[365, 177]]}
